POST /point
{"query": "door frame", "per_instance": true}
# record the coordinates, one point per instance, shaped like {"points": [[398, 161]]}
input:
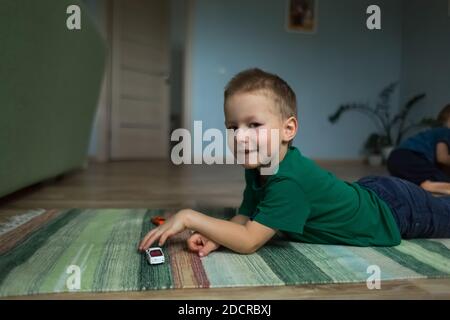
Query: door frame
{"points": [[101, 131], [186, 112], [115, 82], [102, 123]]}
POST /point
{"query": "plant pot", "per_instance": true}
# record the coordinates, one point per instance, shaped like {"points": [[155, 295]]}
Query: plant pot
{"points": [[375, 160], [386, 151]]}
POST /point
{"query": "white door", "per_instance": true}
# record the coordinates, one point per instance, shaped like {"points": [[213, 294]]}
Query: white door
{"points": [[140, 90]]}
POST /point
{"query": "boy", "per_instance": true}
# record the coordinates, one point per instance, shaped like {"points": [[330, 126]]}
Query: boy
{"points": [[424, 158], [300, 199]]}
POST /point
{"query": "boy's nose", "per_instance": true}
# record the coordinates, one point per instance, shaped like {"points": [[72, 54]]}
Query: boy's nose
{"points": [[244, 135], [241, 135]]}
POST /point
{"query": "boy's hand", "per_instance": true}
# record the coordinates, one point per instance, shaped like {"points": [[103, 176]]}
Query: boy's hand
{"points": [[172, 226], [201, 244]]}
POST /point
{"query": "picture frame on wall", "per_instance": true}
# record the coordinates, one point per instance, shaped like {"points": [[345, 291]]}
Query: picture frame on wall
{"points": [[302, 16]]}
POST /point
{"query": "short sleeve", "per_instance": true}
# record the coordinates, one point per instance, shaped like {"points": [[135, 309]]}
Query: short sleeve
{"points": [[248, 204], [284, 206]]}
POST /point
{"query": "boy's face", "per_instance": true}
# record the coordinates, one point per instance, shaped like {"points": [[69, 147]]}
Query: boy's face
{"points": [[253, 115]]}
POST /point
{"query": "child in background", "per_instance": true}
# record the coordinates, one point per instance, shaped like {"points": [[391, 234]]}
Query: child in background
{"points": [[300, 199], [424, 157]]}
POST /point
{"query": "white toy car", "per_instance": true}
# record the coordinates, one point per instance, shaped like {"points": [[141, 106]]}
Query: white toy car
{"points": [[154, 255]]}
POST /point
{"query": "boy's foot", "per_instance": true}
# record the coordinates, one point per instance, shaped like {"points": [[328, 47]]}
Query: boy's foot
{"points": [[436, 188]]}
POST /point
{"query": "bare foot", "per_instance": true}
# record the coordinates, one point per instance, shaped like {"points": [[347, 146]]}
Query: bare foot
{"points": [[436, 187]]}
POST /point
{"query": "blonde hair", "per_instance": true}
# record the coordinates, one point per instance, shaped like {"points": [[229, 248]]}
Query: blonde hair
{"points": [[258, 80]]}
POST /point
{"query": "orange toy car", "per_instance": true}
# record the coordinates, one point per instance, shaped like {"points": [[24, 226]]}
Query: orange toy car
{"points": [[158, 220]]}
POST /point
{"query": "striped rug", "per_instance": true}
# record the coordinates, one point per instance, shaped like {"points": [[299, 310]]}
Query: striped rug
{"points": [[38, 252]]}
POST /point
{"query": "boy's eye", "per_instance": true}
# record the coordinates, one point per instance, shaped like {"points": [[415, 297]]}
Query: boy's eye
{"points": [[232, 127], [254, 125]]}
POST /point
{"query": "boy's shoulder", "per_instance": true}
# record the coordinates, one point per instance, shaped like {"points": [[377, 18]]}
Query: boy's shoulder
{"points": [[294, 163], [293, 168], [297, 168]]}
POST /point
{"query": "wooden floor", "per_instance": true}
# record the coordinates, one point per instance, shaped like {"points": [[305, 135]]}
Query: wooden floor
{"points": [[158, 184]]}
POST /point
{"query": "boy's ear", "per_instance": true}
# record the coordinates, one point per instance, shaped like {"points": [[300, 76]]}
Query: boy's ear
{"points": [[290, 129]]}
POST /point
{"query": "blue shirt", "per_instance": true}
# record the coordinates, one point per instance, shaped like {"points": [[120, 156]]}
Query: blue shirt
{"points": [[425, 142]]}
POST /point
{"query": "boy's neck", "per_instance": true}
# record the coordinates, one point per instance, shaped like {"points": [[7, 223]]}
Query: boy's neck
{"points": [[282, 154]]}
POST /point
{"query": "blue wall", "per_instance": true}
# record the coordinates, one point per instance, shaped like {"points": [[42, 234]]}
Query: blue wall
{"points": [[178, 22], [426, 54], [342, 62]]}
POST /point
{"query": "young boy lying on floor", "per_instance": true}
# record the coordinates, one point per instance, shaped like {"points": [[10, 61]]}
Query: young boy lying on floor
{"points": [[300, 199]]}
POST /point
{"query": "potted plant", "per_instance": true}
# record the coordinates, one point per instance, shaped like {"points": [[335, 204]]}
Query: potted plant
{"points": [[391, 128], [373, 148]]}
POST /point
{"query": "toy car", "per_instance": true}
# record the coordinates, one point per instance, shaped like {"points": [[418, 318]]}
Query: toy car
{"points": [[158, 220], [154, 255]]}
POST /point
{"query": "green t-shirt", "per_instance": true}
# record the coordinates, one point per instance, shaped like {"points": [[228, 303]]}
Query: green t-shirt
{"points": [[311, 205]]}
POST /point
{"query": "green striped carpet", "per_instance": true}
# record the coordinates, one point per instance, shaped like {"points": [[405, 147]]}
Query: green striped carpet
{"points": [[38, 248]]}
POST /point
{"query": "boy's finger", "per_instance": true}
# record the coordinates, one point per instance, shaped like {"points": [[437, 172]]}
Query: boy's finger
{"points": [[194, 238], [164, 237], [152, 239], [209, 246], [195, 243], [198, 240], [194, 246], [147, 236], [191, 243]]}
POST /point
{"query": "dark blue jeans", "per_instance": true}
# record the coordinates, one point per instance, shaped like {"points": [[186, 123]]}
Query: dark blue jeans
{"points": [[414, 167], [417, 212]]}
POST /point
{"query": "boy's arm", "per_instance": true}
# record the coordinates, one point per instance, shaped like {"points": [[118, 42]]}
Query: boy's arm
{"points": [[239, 234], [203, 245], [442, 154], [242, 238], [240, 219]]}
